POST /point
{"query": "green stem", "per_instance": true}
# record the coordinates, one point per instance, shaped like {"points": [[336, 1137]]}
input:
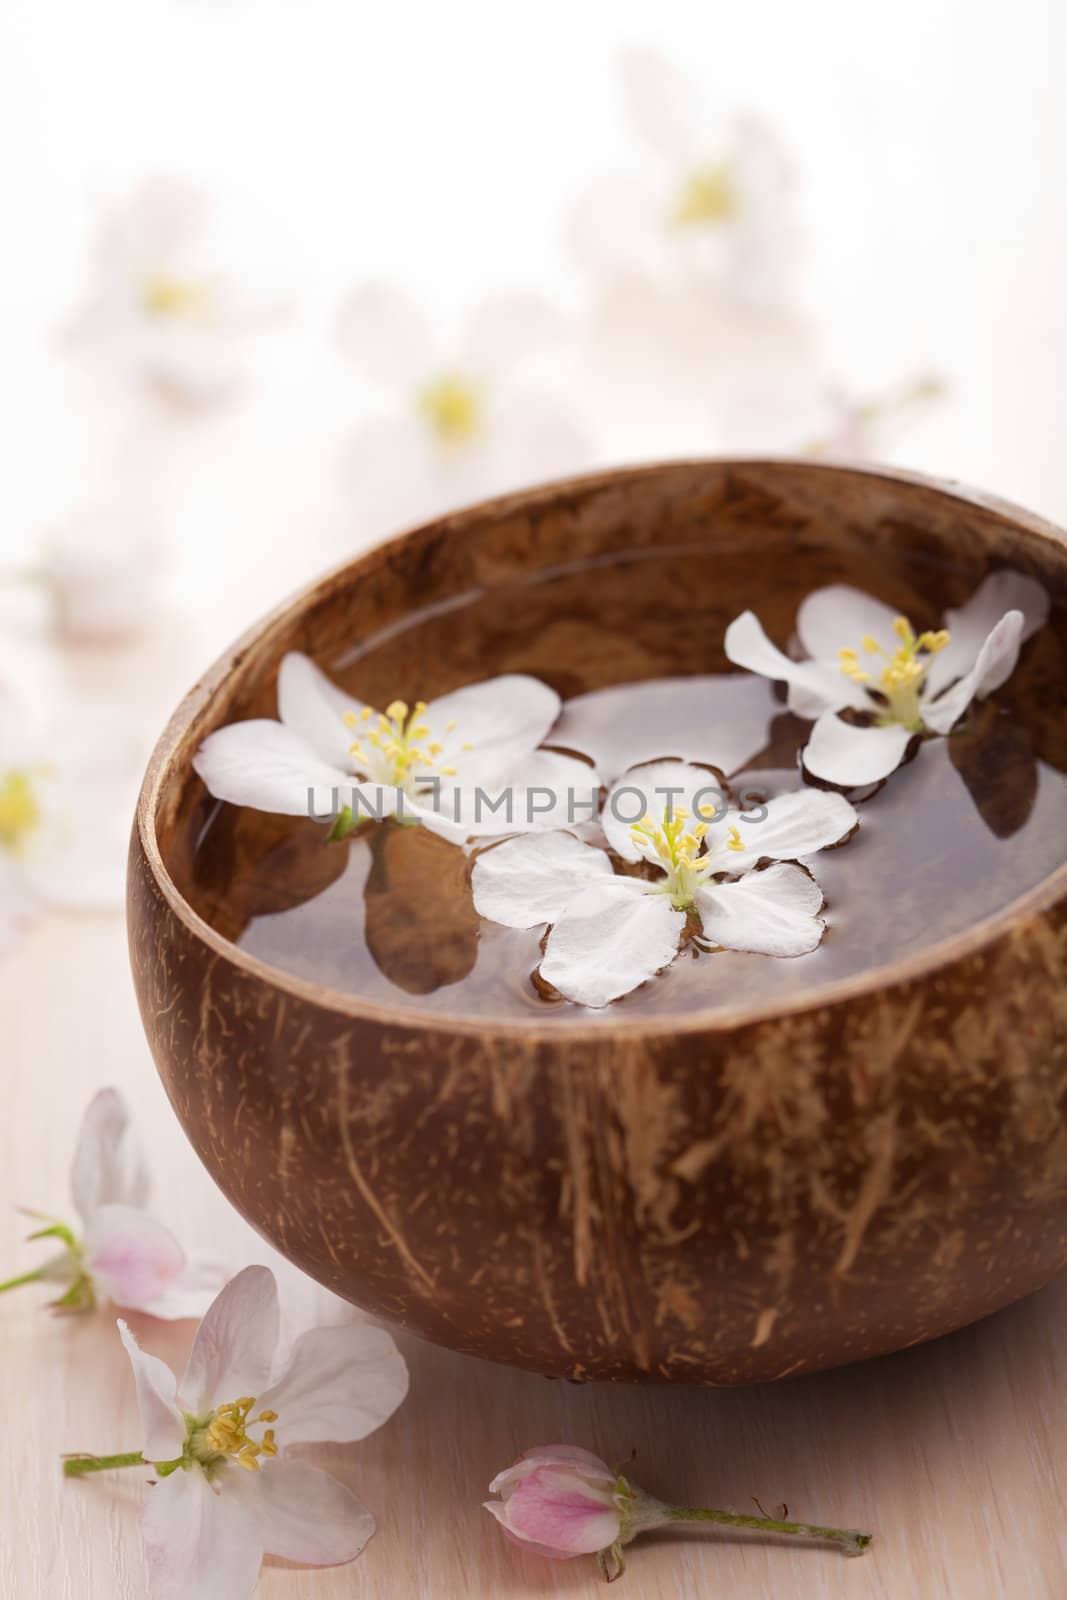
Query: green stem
{"points": [[25, 1277], [854, 1541], [77, 1466]]}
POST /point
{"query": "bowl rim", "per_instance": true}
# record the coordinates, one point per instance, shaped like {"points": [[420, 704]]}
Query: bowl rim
{"points": [[831, 992]]}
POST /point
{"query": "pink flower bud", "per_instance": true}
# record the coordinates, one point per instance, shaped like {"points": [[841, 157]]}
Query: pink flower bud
{"points": [[560, 1501]]}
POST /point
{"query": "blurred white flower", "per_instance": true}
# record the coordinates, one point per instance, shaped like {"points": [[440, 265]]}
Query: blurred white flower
{"points": [[103, 569], [160, 306], [465, 426], [67, 791], [716, 202], [802, 411]]}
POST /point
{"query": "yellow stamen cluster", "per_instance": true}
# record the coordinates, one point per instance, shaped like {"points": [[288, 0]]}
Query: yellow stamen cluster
{"points": [[708, 194], [677, 842], [165, 296], [904, 672], [20, 811], [452, 406], [394, 747], [227, 1433]]}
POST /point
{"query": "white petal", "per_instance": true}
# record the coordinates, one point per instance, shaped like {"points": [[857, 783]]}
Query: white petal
{"points": [[395, 475], [534, 437], [970, 625], [525, 882], [610, 938], [314, 708], [663, 104], [108, 1167], [544, 790], [189, 1294], [613, 226], [839, 617], [838, 752], [303, 1514], [814, 686], [234, 1347], [770, 913], [655, 787], [19, 904], [266, 765], [507, 329], [130, 1256], [503, 719], [384, 334], [996, 662], [721, 718], [795, 825], [556, 1455], [157, 1401], [199, 1543], [339, 1384]]}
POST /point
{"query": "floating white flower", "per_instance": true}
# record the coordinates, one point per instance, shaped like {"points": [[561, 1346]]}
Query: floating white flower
{"points": [[717, 202], [465, 425], [464, 765], [160, 306], [122, 1254], [610, 932], [67, 791], [227, 1490], [865, 659]]}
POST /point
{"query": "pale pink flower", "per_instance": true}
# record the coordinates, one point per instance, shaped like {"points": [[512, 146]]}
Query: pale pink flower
{"points": [[464, 417], [227, 1489], [122, 1254], [713, 201], [560, 1501], [162, 305]]}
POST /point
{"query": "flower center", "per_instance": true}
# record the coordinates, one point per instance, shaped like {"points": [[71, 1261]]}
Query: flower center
{"points": [[166, 296], [903, 675], [224, 1436], [708, 195], [452, 407], [399, 748], [678, 849], [20, 810]]}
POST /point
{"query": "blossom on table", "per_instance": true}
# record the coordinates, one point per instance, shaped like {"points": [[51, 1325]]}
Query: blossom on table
{"points": [[122, 1253], [425, 763], [864, 659], [67, 789], [560, 1501], [716, 201], [161, 307], [464, 423], [610, 931], [227, 1488]]}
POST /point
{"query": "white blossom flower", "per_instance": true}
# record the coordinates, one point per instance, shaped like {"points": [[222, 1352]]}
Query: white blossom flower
{"points": [[122, 1254], [716, 202], [802, 410], [228, 1490], [161, 307], [611, 931], [464, 425], [464, 765], [866, 660], [67, 790], [102, 569]]}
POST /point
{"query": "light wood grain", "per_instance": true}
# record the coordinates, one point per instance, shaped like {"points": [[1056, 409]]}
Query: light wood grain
{"points": [[953, 1453]]}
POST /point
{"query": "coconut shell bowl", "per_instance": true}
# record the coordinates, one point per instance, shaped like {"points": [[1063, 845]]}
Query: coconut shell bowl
{"points": [[826, 1165]]}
